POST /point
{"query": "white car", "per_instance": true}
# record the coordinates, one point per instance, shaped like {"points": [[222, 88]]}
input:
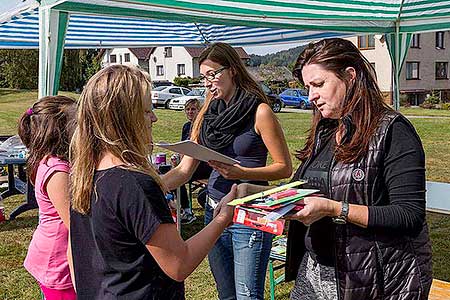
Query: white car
{"points": [[162, 94], [179, 102]]}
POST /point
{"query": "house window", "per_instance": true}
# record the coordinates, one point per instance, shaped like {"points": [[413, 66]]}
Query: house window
{"points": [[127, 57], [168, 52], [366, 41], [441, 70], [159, 70], [412, 70], [415, 40], [440, 40], [112, 58], [181, 69]]}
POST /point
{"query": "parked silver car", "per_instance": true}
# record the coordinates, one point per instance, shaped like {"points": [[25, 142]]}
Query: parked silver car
{"points": [[162, 94], [178, 103]]}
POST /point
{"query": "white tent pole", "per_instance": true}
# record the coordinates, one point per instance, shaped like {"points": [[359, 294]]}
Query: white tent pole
{"points": [[43, 57], [396, 100], [52, 32]]}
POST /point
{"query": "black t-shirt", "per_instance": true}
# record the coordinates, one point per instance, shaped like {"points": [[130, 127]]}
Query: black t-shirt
{"points": [[186, 131], [319, 238], [110, 258]]}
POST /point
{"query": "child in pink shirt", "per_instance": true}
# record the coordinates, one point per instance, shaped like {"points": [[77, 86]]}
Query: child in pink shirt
{"points": [[46, 130]]}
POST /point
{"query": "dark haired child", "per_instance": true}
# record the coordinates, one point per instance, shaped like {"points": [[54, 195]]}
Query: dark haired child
{"points": [[46, 130]]}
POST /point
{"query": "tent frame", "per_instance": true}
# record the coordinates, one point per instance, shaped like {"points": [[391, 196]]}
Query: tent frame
{"points": [[54, 16]]}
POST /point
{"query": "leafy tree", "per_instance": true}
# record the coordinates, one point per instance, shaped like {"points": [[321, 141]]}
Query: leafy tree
{"points": [[71, 73], [19, 69], [78, 67], [281, 58], [90, 63]]}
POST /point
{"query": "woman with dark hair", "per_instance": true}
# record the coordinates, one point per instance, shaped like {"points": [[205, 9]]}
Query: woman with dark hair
{"points": [[236, 121], [366, 237]]}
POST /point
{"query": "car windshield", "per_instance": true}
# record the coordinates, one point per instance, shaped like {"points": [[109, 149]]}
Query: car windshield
{"points": [[159, 88], [196, 92]]}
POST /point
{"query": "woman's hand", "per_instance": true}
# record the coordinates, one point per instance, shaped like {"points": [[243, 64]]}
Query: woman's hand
{"points": [[228, 171], [315, 209], [223, 212], [242, 190]]}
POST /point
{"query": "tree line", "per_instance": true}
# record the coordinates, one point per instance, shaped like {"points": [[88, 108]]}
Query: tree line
{"points": [[284, 58], [19, 69]]}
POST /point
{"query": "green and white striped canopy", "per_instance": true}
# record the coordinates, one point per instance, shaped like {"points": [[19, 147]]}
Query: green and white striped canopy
{"points": [[376, 16]]}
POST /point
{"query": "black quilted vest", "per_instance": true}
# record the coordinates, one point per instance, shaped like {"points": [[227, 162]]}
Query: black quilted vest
{"points": [[370, 263]]}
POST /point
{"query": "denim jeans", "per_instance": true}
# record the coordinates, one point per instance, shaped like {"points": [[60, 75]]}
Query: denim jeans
{"points": [[239, 261]]}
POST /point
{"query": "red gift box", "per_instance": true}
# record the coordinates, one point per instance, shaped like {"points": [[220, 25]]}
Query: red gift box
{"points": [[257, 220]]}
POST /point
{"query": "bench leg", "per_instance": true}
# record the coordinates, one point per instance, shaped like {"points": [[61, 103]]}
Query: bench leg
{"points": [[272, 280]]}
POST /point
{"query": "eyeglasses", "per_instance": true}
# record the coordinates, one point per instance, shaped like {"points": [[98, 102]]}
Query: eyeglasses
{"points": [[212, 74]]}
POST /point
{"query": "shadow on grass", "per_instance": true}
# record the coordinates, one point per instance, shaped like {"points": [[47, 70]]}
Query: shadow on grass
{"points": [[19, 223], [188, 230]]}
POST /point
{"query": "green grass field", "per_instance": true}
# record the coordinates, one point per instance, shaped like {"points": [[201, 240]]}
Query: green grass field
{"points": [[16, 283]]}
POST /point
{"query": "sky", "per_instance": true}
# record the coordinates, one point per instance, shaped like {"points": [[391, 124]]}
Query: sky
{"points": [[262, 50]]}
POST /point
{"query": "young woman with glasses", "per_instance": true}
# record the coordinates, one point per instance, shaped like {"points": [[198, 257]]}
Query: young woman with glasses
{"points": [[236, 121]]}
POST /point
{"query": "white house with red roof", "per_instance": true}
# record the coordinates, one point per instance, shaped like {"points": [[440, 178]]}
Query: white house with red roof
{"points": [[133, 56], [162, 63]]}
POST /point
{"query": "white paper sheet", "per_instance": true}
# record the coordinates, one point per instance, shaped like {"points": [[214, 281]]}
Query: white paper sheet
{"points": [[197, 151]]}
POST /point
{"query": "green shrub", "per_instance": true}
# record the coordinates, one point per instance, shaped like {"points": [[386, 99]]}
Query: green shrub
{"points": [[404, 100], [445, 106], [426, 105], [433, 98], [432, 101], [181, 81], [185, 81]]}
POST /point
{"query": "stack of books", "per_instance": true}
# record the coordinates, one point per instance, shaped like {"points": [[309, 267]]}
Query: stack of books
{"points": [[265, 210], [278, 250]]}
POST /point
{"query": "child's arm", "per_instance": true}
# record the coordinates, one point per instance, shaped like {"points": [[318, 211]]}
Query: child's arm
{"points": [[178, 258], [58, 192]]}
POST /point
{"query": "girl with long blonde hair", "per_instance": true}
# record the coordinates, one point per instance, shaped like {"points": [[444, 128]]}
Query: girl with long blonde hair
{"points": [[123, 239]]}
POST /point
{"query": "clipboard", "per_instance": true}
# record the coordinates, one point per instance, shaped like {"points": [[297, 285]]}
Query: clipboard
{"points": [[197, 151]]}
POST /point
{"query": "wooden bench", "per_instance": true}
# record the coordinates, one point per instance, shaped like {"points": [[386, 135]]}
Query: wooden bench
{"points": [[440, 290]]}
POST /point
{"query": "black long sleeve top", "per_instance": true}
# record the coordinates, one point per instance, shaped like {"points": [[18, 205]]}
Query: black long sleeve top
{"points": [[404, 177]]}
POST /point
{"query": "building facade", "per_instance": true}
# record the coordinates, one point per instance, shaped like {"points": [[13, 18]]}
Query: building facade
{"points": [[425, 70], [133, 56], [163, 63]]}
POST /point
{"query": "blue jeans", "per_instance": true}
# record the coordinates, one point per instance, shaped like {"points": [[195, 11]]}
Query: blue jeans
{"points": [[239, 261]]}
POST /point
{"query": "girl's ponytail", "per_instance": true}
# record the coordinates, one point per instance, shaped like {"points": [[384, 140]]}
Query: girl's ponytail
{"points": [[25, 127], [43, 129]]}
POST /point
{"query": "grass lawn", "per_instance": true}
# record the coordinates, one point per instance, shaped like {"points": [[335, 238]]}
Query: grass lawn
{"points": [[418, 111], [16, 283]]}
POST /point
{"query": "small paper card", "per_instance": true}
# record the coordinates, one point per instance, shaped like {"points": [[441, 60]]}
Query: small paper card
{"points": [[197, 151], [263, 194]]}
